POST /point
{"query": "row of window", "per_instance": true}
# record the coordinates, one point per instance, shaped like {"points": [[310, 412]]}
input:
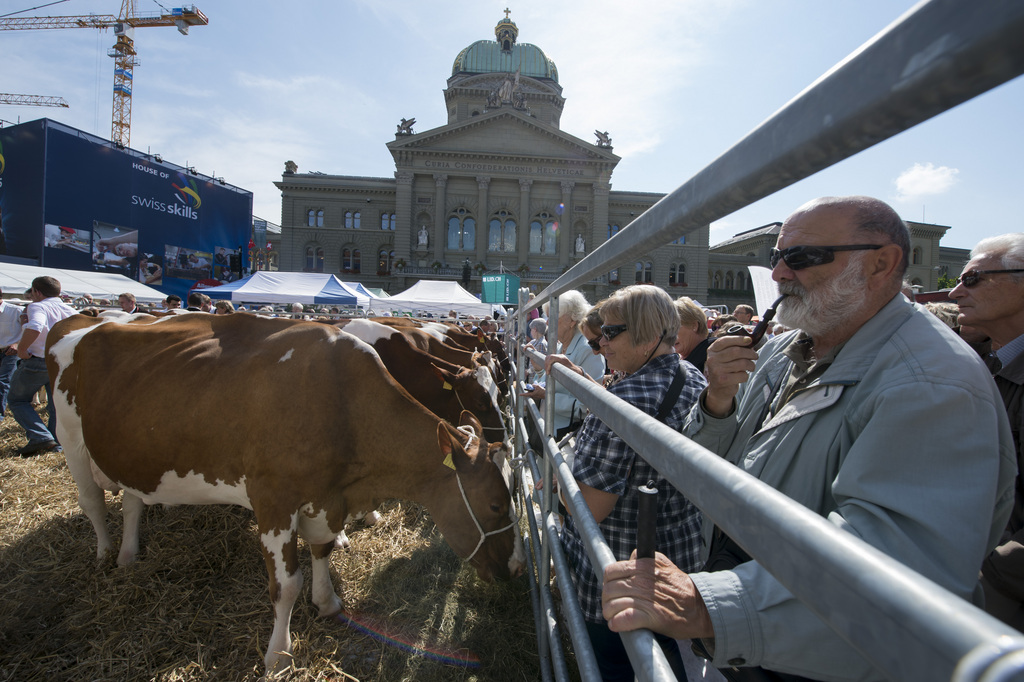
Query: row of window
{"points": [[728, 280], [353, 219], [351, 260], [501, 235]]}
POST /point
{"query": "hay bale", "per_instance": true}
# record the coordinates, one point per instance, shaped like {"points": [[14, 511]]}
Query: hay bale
{"points": [[195, 605]]}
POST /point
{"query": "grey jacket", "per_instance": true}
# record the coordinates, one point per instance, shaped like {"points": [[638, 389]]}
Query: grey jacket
{"points": [[903, 442]]}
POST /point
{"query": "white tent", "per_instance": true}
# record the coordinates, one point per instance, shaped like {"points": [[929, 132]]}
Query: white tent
{"points": [[289, 287], [16, 279], [435, 297]]}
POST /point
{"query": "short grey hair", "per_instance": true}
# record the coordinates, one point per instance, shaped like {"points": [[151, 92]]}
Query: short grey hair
{"points": [[876, 216], [539, 325], [1009, 248], [571, 303], [947, 312]]}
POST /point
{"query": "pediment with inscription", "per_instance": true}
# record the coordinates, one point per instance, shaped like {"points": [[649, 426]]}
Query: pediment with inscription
{"points": [[502, 133]]}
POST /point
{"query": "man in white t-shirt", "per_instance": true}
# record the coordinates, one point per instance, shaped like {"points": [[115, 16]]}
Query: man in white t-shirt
{"points": [[45, 311]]}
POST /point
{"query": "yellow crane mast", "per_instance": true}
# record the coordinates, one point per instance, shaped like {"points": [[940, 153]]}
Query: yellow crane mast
{"points": [[123, 50]]}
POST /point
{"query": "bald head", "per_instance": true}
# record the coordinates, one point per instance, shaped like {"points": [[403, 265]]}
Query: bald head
{"points": [[868, 216]]}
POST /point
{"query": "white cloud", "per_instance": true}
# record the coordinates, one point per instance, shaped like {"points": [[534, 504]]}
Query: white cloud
{"points": [[921, 180]]}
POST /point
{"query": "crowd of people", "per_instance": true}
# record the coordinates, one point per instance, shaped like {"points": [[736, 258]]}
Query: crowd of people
{"points": [[899, 423]]}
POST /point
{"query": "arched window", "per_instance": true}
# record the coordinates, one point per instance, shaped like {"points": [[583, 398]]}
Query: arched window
{"points": [[677, 274], [681, 240], [612, 231], [461, 231], [356, 221], [717, 283], [311, 218], [348, 220], [385, 257], [729, 284], [501, 235], [543, 234], [387, 221], [644, 272], [314, 259], [613, 276], [740, 281], [917, 255], [350, 260]]}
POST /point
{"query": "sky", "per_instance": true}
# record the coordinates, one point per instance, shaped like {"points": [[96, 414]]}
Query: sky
{"points": [[324, 83]]}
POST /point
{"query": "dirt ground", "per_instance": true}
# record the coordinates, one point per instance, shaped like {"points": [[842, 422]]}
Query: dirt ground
{"points": [[195, 605]]}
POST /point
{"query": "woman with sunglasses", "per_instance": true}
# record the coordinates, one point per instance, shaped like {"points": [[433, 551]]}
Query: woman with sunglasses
{"points": [[639, 330]]}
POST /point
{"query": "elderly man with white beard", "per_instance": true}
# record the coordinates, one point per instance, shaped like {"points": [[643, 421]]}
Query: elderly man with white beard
{"points": [[859, 414]]}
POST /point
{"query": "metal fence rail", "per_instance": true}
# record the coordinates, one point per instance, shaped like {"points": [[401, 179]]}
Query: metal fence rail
{"points": [[936, 56]]}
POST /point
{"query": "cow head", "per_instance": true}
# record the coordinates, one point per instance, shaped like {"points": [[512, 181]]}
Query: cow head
{"points": [[479, 519], [476, 391]]}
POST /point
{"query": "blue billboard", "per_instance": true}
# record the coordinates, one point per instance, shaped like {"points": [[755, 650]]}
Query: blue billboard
{"points": [[72, 200]]}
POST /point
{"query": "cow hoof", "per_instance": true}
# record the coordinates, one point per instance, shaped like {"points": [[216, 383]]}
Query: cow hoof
{"points": [[342, 541], [372, 518], [332, 608]]}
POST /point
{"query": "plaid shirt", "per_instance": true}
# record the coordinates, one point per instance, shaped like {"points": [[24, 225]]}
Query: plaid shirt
{"points": [[604, 461]]}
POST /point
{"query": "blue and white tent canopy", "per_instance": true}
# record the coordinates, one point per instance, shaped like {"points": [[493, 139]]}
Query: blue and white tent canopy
{"points": [[289, 287]]}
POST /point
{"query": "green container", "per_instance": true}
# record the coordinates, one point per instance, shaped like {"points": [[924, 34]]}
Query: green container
{"points": [[502, 289]]}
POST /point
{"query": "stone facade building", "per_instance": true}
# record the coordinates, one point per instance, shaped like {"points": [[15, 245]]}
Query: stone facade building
{"points": [[500, 186]]}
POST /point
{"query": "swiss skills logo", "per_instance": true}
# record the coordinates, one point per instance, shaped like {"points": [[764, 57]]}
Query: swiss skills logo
{"points": [[187, 192], [186, 196]]}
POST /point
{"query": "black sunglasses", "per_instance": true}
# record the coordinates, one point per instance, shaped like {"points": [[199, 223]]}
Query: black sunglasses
{"points": [[800, 257], [972, 277], [610, 331], [594, 343]]}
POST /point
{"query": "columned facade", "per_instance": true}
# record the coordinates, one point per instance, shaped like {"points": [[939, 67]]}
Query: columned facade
{"points": [[499, 185]]}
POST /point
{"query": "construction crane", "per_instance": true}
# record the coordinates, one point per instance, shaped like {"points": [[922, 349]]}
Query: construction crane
{"points": [[32, 100], [123, 50]]}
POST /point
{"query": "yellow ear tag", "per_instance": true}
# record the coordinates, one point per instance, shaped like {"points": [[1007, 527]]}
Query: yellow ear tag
{"points": [[448, 462], [446, 386]]}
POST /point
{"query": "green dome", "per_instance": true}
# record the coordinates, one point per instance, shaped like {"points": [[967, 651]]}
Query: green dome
{"points": [[505, 55]]}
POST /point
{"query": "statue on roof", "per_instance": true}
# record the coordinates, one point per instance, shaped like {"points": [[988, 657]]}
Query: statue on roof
{"points": [[603, 139], [405, 127], [508, 87]]}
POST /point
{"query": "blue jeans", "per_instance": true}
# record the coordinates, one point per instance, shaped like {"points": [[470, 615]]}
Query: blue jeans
{"points": [[613, 661], [30, 376], [7, 365]]}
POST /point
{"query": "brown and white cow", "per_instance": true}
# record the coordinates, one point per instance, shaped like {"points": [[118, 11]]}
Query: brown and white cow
{"points": [[444, 388], [294, 420]]}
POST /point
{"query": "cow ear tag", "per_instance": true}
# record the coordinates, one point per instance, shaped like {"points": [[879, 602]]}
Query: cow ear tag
{"points": [[448, 461], [446, 386]]}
